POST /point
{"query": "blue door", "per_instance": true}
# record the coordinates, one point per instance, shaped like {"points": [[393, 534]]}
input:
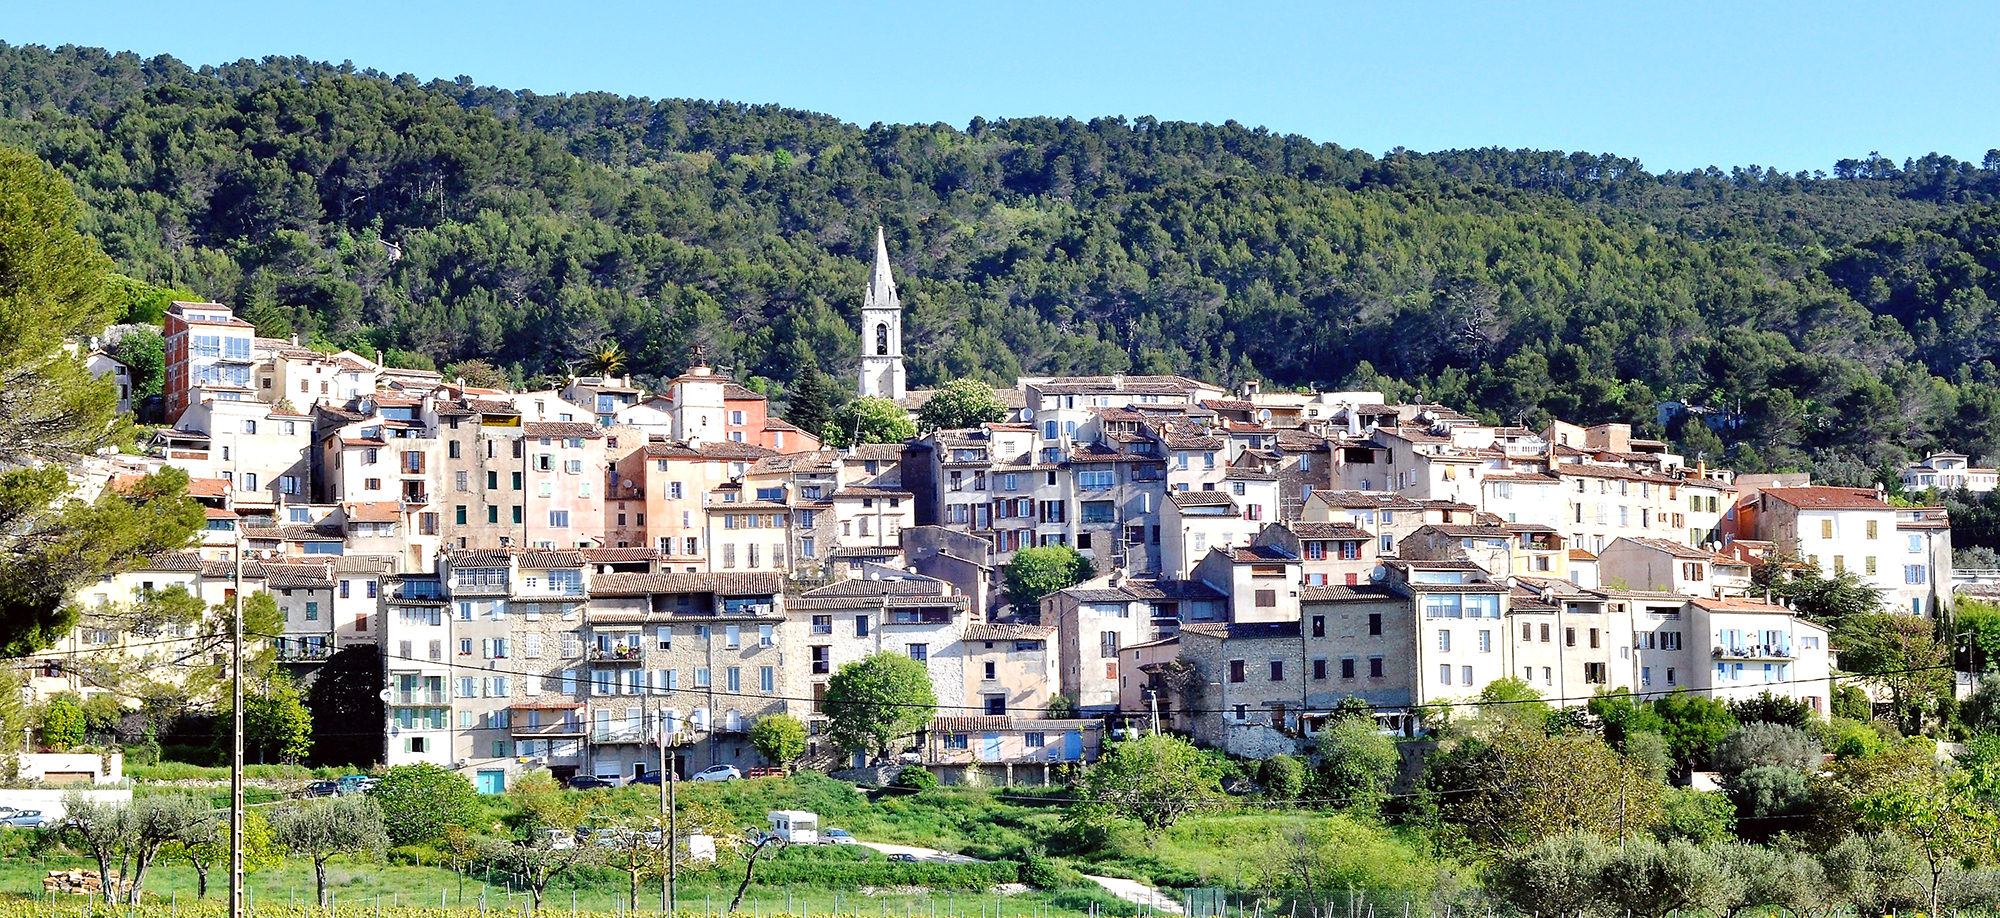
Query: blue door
{"points": [[1073, 745], [492, 781], [989, 748]]}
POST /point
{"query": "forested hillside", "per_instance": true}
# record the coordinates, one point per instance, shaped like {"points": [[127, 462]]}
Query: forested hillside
{"points": [[1848, 317]]}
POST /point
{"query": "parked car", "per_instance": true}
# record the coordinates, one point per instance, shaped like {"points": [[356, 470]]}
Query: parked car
{"points": [[651, 777], [902, 858], [718, 773], [591, 782], [24, 819], [322, 789], [836, 837], [558, 839], [354, 784]]}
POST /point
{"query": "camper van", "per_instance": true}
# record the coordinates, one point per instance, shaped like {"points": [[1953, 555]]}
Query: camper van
{"points": [[795, 826]]}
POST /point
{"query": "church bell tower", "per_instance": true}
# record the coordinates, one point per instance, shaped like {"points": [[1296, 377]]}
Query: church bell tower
{"points": [[882, 329]]}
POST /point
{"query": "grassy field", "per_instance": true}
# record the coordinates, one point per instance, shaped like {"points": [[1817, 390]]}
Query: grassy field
{"points": [[357, 886], [1233, 848]]}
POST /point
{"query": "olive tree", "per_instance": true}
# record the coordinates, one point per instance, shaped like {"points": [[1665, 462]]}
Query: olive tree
{"points": [[323, 829]]}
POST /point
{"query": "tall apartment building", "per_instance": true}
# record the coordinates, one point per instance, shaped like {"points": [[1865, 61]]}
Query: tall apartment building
{"points": [[208, 354]]}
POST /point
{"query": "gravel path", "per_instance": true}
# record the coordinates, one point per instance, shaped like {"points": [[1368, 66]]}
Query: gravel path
{"points": [[1128, 890]]}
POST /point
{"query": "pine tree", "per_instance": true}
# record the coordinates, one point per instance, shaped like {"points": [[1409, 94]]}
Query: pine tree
{"points": [[810, 405], [54, 285]]}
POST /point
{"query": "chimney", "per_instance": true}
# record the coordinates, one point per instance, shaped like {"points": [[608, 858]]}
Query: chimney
{"points": [[295, 340]]}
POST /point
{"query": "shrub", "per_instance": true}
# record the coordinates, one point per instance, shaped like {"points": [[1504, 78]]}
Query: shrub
{"points": [[1040, 872], [1282, 776], [420, 801], [1766, 744], [61, 723], [915, 776]]}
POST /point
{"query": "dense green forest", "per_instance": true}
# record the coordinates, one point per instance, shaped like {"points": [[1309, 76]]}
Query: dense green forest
{"points": [[1844, 320]]}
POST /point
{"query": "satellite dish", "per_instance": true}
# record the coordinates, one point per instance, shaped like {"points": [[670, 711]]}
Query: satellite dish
{"points": [[1264, 415], [1376, 574], [1027, 414], [384, 695]]}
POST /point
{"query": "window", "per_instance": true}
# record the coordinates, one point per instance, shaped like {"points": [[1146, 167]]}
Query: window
{"points": [[1871, 528], [1236, 670], [1914, 573], [822, 624], [1593, 638], [1374, 667], [861, 626], [1826, 529], [1094, 480], [1319, 667], [1569, 637], [1374, 623], [1277, 670], [1444, 673], [558, 519], [1465, 675], [1444, 640], [1319, 626], [1347, 667], [1267, 599], [1485, 641]]}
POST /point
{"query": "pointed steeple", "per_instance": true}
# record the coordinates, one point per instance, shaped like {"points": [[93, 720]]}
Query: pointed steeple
{"points": [[881, 328], [881, 284]]}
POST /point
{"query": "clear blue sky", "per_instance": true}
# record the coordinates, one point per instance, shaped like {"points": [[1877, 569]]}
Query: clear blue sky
{"points": [[1675, 85]]}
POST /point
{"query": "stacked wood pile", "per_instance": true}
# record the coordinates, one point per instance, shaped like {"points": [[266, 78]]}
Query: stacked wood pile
{"points": [[78, 882]]}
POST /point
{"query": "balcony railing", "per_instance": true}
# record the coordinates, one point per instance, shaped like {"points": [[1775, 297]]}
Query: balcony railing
{"points": [[410, 699], [616, 654], [618, 735], [559, 728], [1753, 652], [294, 653]]}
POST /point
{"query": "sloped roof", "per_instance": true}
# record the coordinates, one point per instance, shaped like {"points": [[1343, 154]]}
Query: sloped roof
{"points": [[1827, 498], [561, 429], [1008, 632], [1313, 532], [379, 511], [1368, 592]]}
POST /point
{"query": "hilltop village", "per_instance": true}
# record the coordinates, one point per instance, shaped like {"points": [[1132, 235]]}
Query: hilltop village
{"points": [[560, 579]]}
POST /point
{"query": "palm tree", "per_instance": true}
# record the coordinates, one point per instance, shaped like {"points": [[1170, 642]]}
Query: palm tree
{"points": [[607, 360]]}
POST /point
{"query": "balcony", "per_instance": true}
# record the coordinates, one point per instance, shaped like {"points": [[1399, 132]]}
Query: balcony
{"points": [[419, 698], [559, 728], [423, 591], [1753, 652], [616, 654], [292, 653], [618, 735]]}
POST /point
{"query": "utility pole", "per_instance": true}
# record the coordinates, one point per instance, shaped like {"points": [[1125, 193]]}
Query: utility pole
{"points": [[673, 841], [236, 743], [667, 817]]}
